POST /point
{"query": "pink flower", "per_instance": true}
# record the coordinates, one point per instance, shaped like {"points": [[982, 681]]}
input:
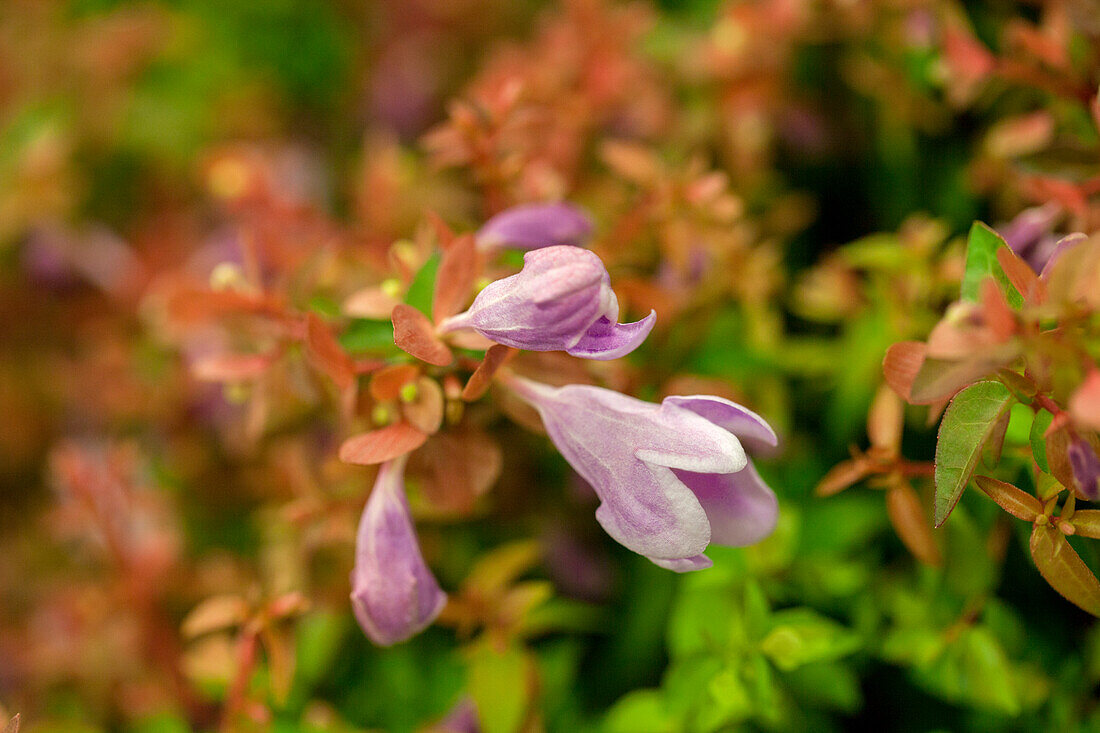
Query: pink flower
{"points": [[531, 226], [671, 478], [394, 594], [560, 301]]}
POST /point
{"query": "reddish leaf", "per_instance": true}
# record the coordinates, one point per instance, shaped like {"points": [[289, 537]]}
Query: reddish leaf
{"points": [[413, 333], [458, 467], [884, 421], [425, 413], [939, 379], [1022, 277], [999, 319], [326, 354], [443, 233], [13, 725], [991, 451], [458, 269], [1019, 504], [372, 303], [843, 475], [382, 445], [386, 384], [906, 513], [1086, 523], [1063, 569], [496, 357], [1058, 455], [231, 367], [193, 305], [900, 366]]}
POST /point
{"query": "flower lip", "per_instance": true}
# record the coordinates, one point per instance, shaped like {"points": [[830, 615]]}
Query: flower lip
{"points": [[394, 594], [669, 480]]}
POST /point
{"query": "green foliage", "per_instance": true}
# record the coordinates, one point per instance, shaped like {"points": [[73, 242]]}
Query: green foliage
{"points": [[981, 262], [967, 425]]}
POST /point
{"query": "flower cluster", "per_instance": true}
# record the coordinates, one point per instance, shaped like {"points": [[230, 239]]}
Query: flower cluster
{"points": [[671, 478]]}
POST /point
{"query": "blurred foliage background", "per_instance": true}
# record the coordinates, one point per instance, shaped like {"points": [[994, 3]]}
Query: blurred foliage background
{"points": [[788, 182]]}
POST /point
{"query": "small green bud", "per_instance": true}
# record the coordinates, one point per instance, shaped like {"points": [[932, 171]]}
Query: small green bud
{"points": [[382, 414], [391, 287], [409, 392]]}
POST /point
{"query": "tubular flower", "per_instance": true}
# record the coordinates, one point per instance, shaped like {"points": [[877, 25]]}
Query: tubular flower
{"points": [[394, 594], [533, 226], [671, 478], [560, 301], [1086, 468]]}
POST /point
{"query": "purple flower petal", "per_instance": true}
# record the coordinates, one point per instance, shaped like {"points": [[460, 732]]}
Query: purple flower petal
{"points": [[669, 480], [1029, 227], [1065, 243], [749, 427], [683, 565], [741, 508], [560, 301], [394, 594], [533, 226], [605, 340], [1086, 468]]}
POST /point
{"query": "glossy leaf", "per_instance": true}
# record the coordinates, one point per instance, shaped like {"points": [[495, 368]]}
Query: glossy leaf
{"points": [[1019, 504], [1063, 568], [967, 425], [497, 356], [1058, 443], [1086, 523], [414, 334], [458, 269], [981, 262], [1019, 273], [1038, 440]]}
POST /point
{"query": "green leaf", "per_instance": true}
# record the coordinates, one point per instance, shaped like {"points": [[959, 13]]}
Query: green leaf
{"points": [[320, 638], [1064, 569], [968, 423], [363, 335], [1039, 426], [801, 636], [422, 287], [826, 684], [498, 683], [981, 262], [641, 711], [975, 671]]}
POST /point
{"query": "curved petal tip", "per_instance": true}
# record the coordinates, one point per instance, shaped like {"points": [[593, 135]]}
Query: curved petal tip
{"points": [[683, 564], [605, 340]]}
